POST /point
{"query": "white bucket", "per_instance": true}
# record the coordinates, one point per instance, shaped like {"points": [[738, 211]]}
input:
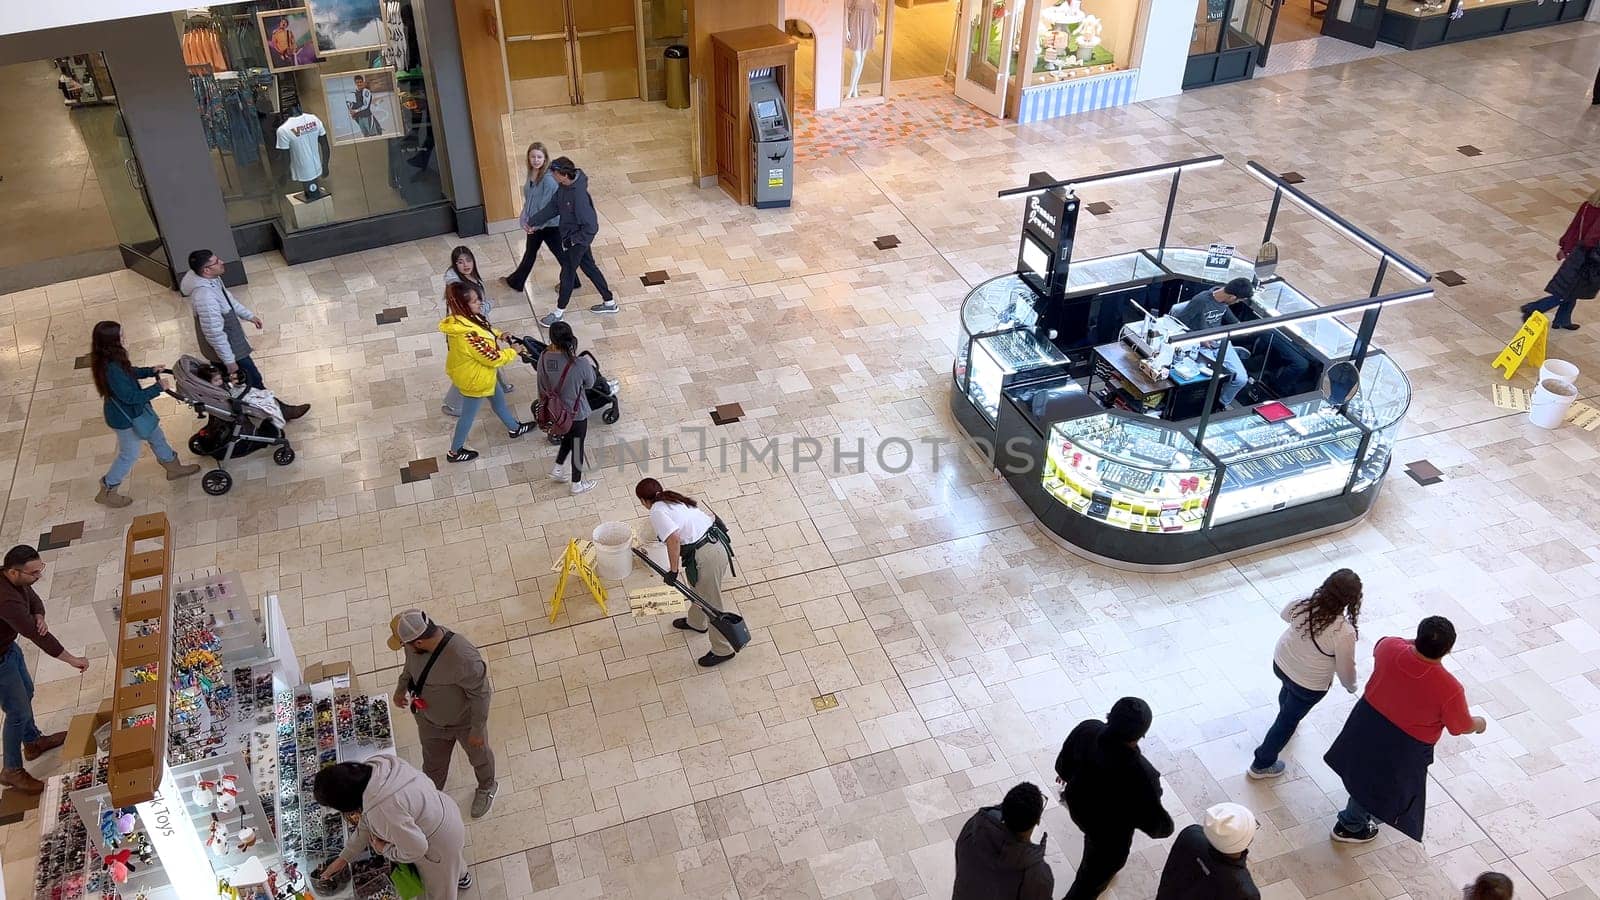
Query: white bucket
{"points": [[1560, 370], [1551, 400], [613, 544]]}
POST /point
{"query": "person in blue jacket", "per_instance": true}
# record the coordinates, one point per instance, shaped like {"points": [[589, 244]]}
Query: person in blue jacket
{"points": [[128, 412]]}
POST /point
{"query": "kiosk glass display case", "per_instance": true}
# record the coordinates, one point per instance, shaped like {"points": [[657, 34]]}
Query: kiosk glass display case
{"points": [[996, 356], [1132, 473], [1380, 405], [1274, 465]]}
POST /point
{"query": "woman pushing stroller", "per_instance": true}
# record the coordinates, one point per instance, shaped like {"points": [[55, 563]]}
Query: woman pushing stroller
{"points": [[473, 365], [128, 412]]}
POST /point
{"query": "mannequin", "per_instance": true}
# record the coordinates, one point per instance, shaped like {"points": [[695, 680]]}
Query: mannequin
{"points": [[304, 136], [860, 30]]}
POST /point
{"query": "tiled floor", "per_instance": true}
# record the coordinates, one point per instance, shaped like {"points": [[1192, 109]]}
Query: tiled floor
{"points": [[959, 642]]}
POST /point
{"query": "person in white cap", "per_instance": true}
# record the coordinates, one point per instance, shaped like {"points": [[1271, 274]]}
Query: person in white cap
{"points": [[445, 684], [1207, 861]]}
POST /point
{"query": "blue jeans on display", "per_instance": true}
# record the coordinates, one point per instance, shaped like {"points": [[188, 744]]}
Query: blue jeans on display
{"points": [[146, 430], [1562, 307], [1294, 702], [252, 375], [469, 412], [1354, 817], [16, 698]]}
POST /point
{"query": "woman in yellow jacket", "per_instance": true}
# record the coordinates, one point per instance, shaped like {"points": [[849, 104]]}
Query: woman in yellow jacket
{"points": [[473, 365]]}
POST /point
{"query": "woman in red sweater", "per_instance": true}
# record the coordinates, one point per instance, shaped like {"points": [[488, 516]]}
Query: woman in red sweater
{"points": [[1579, 275]]}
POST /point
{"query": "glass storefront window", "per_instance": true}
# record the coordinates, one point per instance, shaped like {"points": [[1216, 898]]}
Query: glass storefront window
{"points": [[1207, 26], [1082, 37], [290, 98]]}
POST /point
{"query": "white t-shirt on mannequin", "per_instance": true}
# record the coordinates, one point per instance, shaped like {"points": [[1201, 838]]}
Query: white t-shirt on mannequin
{"points": [[298, 135]]}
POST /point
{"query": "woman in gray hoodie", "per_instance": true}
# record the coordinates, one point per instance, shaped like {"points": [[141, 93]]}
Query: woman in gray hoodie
{"points": [[538, 190], [401, 817]]}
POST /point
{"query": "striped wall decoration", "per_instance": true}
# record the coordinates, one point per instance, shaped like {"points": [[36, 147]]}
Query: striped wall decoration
{"points": [[1078, 95]]}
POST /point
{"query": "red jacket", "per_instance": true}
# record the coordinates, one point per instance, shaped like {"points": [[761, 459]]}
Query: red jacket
{"points": [[1585, 223]]}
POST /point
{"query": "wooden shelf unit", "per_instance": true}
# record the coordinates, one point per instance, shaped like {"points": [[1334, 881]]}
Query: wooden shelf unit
{"points": [[139, 752]]}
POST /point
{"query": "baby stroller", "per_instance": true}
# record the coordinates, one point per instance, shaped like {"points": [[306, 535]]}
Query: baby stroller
{"points": [[236, 425], [603, 396]]}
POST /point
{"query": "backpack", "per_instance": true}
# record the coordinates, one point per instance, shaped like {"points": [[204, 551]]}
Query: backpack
{"points": [[554, 417]]}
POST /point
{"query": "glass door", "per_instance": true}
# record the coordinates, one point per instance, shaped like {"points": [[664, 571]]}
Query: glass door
{"points": [[988, 53], [571, 51], [1255, 21], [1355, 21]]}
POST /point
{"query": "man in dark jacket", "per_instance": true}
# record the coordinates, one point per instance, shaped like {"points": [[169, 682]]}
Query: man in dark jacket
{"points": [[996, 855], [1110, 789], [579, 225], [1207, 861]]}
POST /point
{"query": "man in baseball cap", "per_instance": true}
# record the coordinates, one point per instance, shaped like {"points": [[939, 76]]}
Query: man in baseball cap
{"points": [[445, 684], [1208, 859]]}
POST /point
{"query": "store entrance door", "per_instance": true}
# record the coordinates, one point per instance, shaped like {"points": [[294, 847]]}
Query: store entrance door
{"points": [[569, 52], [72, 198], [987, 53], [1355, 21]]}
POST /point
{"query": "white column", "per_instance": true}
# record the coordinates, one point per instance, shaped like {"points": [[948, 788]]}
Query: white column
{"points": [[1162, 52]]}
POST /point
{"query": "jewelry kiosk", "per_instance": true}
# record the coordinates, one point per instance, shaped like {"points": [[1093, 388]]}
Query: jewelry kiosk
{"points": [[1101, 411]]}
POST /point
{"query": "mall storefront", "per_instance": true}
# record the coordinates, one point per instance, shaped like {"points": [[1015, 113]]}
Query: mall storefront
{"points": [[242, 128]]}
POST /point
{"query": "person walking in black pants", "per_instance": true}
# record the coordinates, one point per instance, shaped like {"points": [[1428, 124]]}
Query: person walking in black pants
{"points": [[537, 191], [1111, 790], [579, 225]]}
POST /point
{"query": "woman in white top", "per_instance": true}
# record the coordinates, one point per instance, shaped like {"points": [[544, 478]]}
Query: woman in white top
{"points": [[698, 541], [1320, 641]]}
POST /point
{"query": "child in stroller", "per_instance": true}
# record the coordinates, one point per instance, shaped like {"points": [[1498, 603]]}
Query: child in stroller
{"points": [[239, 420], [603, 396]]}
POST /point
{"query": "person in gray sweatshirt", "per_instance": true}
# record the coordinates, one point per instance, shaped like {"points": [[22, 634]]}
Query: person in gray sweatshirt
{"points": [[399, 817], [565, 378], [217, 318], [574, 208], [537, 192], [445, 684]]}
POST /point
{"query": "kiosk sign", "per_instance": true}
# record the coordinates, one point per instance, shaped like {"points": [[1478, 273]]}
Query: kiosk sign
{"points": [[1220, 256], [1049, 222]]}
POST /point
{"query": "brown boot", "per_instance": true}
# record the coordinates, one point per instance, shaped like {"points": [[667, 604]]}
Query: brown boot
{"points": [[176, 469], [109, 497], [20, 780], [32, 750]]}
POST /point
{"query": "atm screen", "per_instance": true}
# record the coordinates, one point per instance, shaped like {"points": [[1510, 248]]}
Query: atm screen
{"points": [[1036, 258], [766, 109]]}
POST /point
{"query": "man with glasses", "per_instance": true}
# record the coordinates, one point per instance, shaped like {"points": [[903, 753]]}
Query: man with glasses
{"points": [[22, 614], [217, 318]]}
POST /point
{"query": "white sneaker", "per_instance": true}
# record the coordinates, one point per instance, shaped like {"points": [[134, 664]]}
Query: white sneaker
{"points": [[560, 473], [579, 487]]}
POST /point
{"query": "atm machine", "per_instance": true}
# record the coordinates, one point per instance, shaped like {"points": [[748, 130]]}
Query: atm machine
{"points": [[771, 142]]}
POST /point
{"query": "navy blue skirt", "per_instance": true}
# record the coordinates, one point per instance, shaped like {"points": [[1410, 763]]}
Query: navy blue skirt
{"points": [[1383, 768]]}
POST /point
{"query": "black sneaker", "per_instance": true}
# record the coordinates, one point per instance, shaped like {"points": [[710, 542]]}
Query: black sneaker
{"points": [[683, 625], [462, 455], [610, 306], [1364, 836], [522, 429], [711, 659], [465, 883]]}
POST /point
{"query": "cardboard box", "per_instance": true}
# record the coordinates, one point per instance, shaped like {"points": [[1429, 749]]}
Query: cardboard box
{"points": [[342, 674], [80, 732]]}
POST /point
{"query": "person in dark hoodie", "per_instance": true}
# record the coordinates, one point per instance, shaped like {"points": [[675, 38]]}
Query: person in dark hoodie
{"points": [[579, 225], [1207, 861], [1111, 790], [996, 855]]}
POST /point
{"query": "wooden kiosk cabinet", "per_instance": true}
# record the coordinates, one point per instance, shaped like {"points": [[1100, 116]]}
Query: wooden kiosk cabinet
{"points": [[734, 56]]}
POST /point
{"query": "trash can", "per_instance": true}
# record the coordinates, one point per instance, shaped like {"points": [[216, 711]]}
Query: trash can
{"points": [[613, 550], [677, 74], [1551, 400]]}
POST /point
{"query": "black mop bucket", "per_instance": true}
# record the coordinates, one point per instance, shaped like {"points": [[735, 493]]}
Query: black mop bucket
{"points": [[730, 625]]}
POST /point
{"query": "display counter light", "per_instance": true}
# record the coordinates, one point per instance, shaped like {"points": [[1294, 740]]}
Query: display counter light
{"points": [[1199, 162], [1322, 214]]}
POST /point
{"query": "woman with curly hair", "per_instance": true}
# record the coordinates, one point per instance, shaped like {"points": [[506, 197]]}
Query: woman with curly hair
{"points": [[1319, 642]]}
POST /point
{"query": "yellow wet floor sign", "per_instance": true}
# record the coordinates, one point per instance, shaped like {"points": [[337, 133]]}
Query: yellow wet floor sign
{"points": [[1527, 345], [579, 558]]}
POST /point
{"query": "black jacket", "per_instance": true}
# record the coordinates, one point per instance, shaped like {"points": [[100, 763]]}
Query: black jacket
{"points": [[992, 863], [1111, 788], [579, 222], [1576, 279], [1196, 871]]}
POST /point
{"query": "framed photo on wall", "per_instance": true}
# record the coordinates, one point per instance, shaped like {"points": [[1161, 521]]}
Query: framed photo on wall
{"points": [[362, 106], [289, 39], [347, 26]]}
